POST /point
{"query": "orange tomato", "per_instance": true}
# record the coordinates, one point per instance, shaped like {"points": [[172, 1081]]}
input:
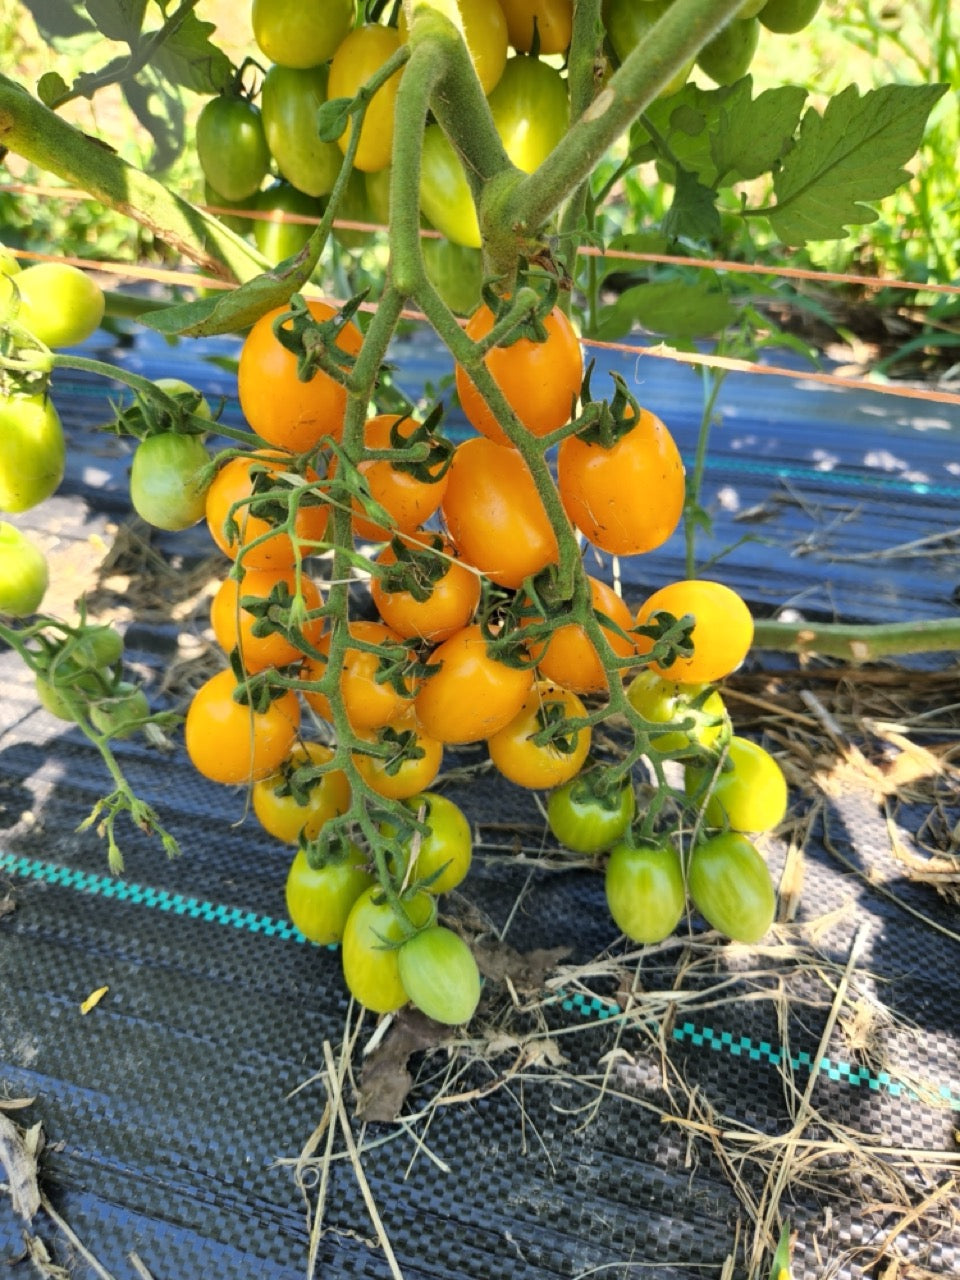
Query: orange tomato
{"points": [[451, 604], [233, 625], [369, 703], [228, 741], [409, 500], [400, 776], [473, 694], [568, 657], [235, 483]]}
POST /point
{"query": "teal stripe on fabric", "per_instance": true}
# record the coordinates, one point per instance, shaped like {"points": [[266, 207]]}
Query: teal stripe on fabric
{"points": [[176, 904]]}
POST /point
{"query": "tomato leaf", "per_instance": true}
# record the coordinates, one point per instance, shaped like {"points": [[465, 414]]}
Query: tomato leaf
{"points": [[118, 19], [646, 241], [158, 108], [693, 215], [50, 87], [752, 135], [853, 153], [188, 58], [674, 308]]}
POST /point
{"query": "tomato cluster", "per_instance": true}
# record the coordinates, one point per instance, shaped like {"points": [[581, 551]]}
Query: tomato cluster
{"points": [[47, 305]]}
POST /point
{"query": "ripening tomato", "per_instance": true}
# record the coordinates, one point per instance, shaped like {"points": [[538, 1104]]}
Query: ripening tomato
{"points": [[289, 99], [540, 380], [228, 741], [282, 232], [473, 694], [370, 952], [360, 55], [279, 407], [231, 146], [731, 887], [289, 803], [662, 701], [404, 773], [554, 24], [484, 31], [568, 656], [531, 110], [645, 890], [528, 763], [300, 33], [236, 627], [454, 594], [722, 631], [588, 820], [23, 573], [59, 304], [786, 17], [409, 499], [370, 702], [749, 793], [319, 899], [440, 975], [494, 515], [234, 483], [729, 54], [627, 24], [169, 480], [445, 196], [32, 451], [626, 499], [443, 853]]}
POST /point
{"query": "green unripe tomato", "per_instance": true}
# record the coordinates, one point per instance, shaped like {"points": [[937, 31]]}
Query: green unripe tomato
{"points": [[289, 100], [300, 33], [731, 887], [23, 573], [32, 451], [95, 648], [444, 191], [645, 890], [455, 271], [276, 237], [587, 822], [627, 23], [123, 713], [59, 304], [440, 975], [231, 146], [785, 17], [663, 701], [168, 488], [749, 794], [728, 55], [750, 8]]}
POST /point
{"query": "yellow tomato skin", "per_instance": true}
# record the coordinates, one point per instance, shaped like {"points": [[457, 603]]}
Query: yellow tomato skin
{"points": [[359, 55]]}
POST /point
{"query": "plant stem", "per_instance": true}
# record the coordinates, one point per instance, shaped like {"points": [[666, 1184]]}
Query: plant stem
{"points": [[712, 382], [857, 642], [42, 137]]}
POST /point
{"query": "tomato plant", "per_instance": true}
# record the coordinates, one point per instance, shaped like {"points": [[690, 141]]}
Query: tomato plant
{"points": [[319, 899], [539, 748], [302, 795], [32, 451], [371, 947], [23, 573], [440, 975], [731, 887], [746, 791], [234, 742], [169, 478], [645, 890], [58, 304], [588, 819]]}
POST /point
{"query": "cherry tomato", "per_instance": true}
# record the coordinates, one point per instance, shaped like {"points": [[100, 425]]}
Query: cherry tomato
{"points": [[599, 487], [32, 451], [554, 23], [730, 886], [82, 685], [371, 966], [587, 820], [645, 890], [281, 234], [627, 24], [455, 271], [540, 380], [231, 146], [749, 794], [494, 515], [729, 54], [287, 804], [319, 899], [234, 483], [663, 701], [454, 595], [228, 741], [531, 110], [279, 407], [785, 17], [440, 975], [569, 658], [169, 480], [410, 500], [520, 758], [484, 31], [445, 196], [473, 694], [444, 853], [235, 626], [359, 55], [300, 33], [402, 774], [122, 713], [23, 573], [59, 304], [370, 702], [722, 631]]}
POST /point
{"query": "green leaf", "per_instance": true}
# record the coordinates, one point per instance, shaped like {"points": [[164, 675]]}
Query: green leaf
{"points": [[118, 19], [650, 241], [752, 135], [332, 118], [693, 215], [675, 309], [237, 309], [58, 22], [160, 111], [187, 58], [854, 152], [50, 87]]}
